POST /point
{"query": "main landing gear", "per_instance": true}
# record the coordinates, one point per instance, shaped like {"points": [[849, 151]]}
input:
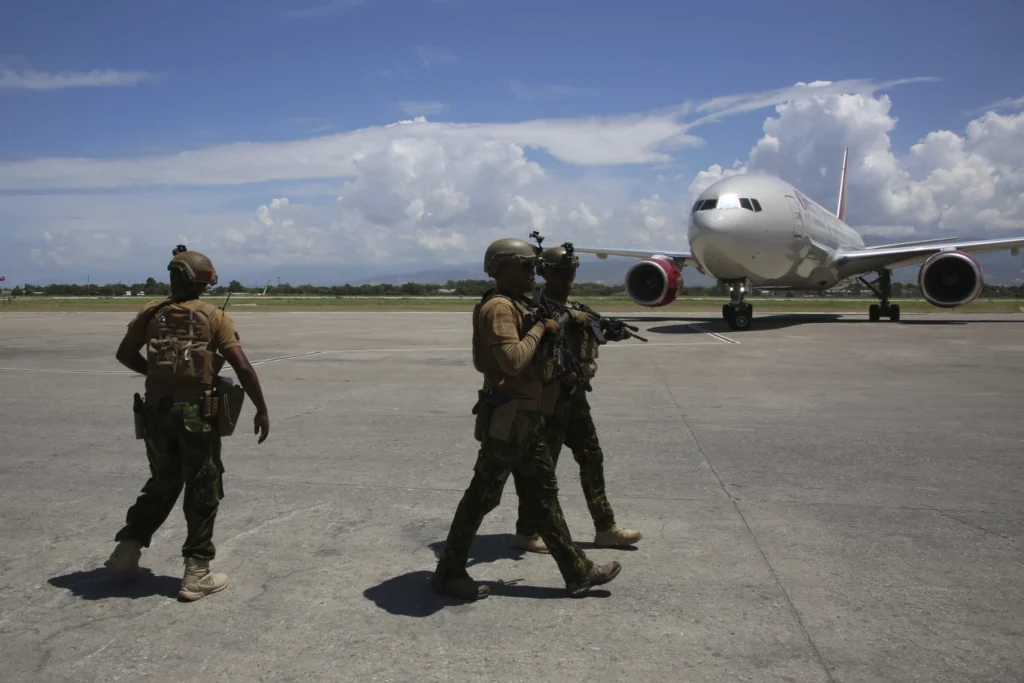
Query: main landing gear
{"points": [[884, 309], [738, 313]]}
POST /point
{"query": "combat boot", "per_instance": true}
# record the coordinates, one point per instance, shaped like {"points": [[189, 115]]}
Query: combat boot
{"points": [[199, 581], [463, 588], [599, 574], [533, 544], [616, 536], [125, 558]]}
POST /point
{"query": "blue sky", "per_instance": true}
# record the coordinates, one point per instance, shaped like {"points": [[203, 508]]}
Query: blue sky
{"points": [[185, 75]]}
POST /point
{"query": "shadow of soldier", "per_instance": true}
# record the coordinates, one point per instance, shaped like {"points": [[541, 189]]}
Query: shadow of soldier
{"points": [[101, 583], [411, 594], [487, 548]]}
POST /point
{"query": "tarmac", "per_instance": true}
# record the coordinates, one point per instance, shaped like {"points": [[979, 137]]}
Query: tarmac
{"points": [[823, 499]]}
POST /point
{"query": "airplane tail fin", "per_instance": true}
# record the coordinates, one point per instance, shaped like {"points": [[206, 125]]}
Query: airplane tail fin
{"points": [[841, 211]]}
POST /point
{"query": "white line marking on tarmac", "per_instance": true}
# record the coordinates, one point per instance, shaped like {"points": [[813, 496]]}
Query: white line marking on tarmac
{"points": [[280, 358], [73, 372], [408, 349], [722, 337], [446, 349]]}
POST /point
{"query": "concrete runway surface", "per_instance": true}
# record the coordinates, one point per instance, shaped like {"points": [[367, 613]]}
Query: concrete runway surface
{"points": [[823, 498]]}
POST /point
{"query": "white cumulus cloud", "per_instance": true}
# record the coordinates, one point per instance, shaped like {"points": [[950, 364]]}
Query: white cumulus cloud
{"points": [[643, 138], [426, 193], [948, 182]]}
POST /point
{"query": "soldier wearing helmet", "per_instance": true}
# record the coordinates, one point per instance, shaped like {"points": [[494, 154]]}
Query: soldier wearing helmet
{"points": [[568, 418], [187, 341], [509, 426]]}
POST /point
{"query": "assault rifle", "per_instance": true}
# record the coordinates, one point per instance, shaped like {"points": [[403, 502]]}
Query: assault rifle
{"points": [[600, 324], [565, 362]]}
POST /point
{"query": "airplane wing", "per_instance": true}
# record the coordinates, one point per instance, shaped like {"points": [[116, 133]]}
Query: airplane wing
{"points": [[853, 262], [684, 256], [934, 240]]}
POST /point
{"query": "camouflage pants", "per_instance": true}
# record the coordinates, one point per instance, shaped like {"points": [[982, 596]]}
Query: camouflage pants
{"points": [[572, 424], [526, 454], [184, 452]]}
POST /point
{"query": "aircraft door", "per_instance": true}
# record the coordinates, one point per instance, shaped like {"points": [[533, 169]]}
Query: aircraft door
{"points": [[798, 218]]}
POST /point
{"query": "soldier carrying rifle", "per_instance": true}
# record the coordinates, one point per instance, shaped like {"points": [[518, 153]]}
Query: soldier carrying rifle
{"points": [[568, 418]]}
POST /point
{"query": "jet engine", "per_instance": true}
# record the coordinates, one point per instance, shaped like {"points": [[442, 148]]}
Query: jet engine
{"points": [[654, 282], [950, 278]]}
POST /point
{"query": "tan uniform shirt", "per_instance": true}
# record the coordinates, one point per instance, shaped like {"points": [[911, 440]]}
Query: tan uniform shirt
{"points": [[506, 342], [222, 329]]}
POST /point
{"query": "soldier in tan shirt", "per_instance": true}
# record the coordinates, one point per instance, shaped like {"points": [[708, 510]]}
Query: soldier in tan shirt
{"points": [[187, 341], [570, 421], [510, 427]]}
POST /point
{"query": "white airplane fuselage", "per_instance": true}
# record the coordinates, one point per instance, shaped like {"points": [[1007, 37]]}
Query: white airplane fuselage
{"points": [[762, 229], [759, 230]]}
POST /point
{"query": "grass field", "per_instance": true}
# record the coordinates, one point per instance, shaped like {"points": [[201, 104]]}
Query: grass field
{"points": [[449, 303]]}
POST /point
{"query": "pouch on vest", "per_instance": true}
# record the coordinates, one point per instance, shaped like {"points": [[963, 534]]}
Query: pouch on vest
{"points": [[230, 397], [589, 348]]}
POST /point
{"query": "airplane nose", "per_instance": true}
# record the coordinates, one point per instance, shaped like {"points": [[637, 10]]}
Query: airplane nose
{"points": [[713, 228], [721, 242]]}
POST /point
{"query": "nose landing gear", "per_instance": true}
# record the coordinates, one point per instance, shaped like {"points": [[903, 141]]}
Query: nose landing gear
{"points": [[737, 313]]}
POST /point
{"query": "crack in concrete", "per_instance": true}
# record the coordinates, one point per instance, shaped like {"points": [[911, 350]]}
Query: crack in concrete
{"points": [[973, 526], [227, 545], [778, 582]]}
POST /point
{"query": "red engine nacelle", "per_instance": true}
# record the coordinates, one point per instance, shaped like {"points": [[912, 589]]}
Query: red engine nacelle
{"points": [[654, 282], [950, 278]]}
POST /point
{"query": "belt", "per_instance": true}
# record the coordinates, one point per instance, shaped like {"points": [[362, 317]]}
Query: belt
{"points": [[178, 395], [498, 397]]}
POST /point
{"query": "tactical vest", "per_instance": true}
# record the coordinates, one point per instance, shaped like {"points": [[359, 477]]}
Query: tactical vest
{"points": [[584, 342], [178, 351]]}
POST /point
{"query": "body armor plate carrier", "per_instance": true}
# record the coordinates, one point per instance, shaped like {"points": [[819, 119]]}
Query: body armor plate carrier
{"points": [[178, 352]]}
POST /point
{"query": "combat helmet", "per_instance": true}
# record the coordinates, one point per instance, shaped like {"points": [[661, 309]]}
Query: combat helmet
{"points": [[193, 267], [558, 258], [508, 249]]}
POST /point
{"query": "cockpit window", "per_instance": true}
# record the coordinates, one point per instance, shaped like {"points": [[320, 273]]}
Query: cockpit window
{"points": [[729, 201], [726, 201]]}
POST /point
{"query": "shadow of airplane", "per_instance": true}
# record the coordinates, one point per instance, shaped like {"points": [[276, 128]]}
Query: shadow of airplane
{"points": [[688, 324], [101, 584]]}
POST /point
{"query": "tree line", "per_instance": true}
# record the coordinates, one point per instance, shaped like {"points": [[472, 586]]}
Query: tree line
{"points": [[474, 288]]}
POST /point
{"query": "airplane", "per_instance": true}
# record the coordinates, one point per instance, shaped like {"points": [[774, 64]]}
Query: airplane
{"points": [[756, 230]]}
